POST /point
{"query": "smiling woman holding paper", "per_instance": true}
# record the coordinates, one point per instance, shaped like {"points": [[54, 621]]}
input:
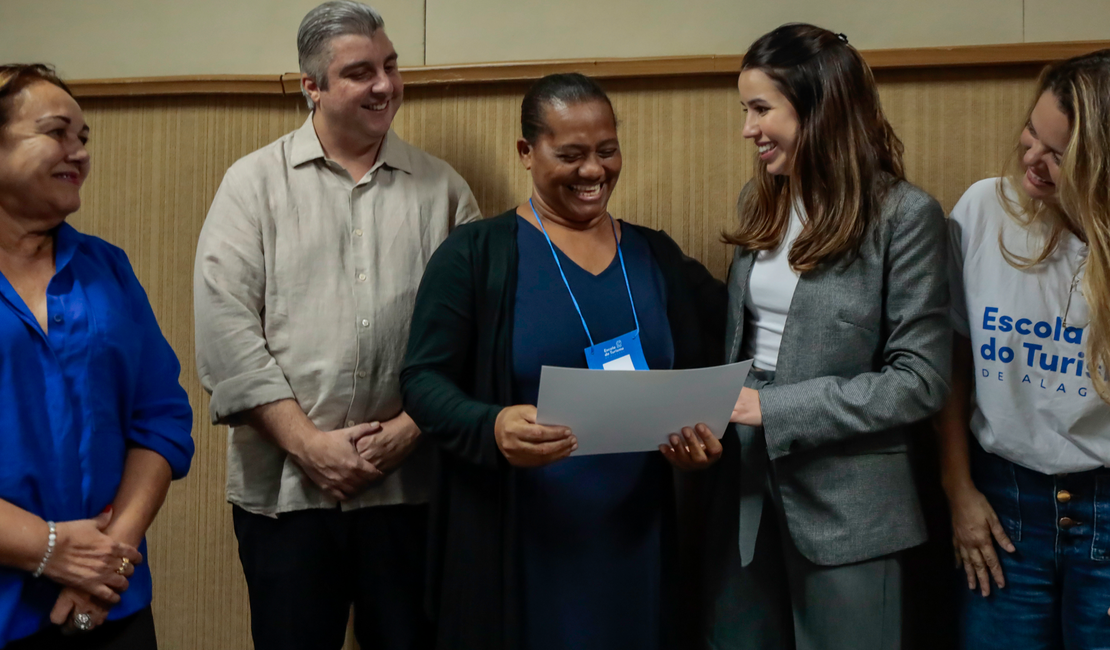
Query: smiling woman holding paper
{"points": [[838, 291], [531, 548]]}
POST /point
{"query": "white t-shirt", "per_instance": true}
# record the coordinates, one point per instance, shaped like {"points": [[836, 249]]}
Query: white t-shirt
{"points": [[1035, 404], [770, 289]]}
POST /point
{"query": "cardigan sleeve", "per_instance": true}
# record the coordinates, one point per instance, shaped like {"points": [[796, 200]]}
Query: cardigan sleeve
{"points": [[711, 301], [697, 303], [913, 380], [440, 356]]}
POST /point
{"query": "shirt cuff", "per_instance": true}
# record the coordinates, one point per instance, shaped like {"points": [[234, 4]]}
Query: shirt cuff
{"points": [[246, 391]]}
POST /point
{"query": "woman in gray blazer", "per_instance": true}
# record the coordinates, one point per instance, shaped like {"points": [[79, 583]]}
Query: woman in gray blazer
{"points": [[838, 291]]}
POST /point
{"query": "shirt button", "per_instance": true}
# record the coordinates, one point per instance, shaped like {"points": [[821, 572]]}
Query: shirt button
{"points": [[362, 277], [358, 232], [365, 323], [57, 318], [350, 423], [362, 374], [1063, 496], [1067, 522]]}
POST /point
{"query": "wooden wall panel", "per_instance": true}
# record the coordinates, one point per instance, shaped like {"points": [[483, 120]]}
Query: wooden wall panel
{"points": [[158, 161]]}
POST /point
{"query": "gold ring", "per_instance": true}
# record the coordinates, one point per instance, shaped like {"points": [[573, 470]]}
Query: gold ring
{"points": [[123, 566]]}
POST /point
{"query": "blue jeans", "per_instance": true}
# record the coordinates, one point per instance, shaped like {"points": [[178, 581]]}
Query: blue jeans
{"points": [[1058, 581]]}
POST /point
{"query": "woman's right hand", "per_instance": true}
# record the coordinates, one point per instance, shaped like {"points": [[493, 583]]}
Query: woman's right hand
{"points": [[975, 528], [527, 444], [87, 559]]}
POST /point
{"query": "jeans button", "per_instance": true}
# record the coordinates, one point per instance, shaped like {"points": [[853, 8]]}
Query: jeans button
{"points": [[1063, 496], [1067, 522]]}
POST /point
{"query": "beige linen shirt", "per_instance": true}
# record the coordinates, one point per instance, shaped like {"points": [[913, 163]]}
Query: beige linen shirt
{"points": [[303, 288]]}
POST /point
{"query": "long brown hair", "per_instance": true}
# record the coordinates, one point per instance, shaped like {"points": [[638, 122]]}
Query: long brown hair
{"points": [[847, 156], [1081, 86]]}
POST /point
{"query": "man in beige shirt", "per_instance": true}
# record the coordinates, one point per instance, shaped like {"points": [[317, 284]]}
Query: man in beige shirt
{"points": [[306, 273]]}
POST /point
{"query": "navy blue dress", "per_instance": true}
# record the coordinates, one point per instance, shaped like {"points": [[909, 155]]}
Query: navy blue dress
{"points": [[591, 527]]}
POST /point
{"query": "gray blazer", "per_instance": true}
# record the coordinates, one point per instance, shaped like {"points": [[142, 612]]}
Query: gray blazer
{"points": [[865, 353]]}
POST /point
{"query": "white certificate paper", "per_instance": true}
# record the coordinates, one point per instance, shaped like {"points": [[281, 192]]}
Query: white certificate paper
{"points": [[623, 411]]}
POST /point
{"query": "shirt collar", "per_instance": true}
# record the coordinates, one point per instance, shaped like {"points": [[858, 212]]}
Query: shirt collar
{"points": [[66, 240], [306, 147]]}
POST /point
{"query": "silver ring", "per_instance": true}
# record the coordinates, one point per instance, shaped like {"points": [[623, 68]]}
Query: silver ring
{"points": [[82, 621]]}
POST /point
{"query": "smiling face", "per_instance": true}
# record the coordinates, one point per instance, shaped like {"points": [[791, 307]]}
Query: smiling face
{"points": [[1044, 139], [43, 160], [364, 87], [770, 121], [576, 162]]}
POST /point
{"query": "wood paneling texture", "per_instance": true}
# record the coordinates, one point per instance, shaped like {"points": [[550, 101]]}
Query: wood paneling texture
{"points": [[158, 161]]}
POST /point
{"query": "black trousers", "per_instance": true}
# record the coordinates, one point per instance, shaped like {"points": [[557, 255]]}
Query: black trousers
{"points": [[136, 632], [306, 569]]}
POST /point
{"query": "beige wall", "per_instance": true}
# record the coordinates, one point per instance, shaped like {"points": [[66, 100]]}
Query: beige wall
{"points": [[1067, 20], [91, 39], [98, 39], [524, 30]]}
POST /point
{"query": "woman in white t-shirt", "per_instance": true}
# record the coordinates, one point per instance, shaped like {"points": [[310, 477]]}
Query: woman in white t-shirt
{"points": [[1031, 305], [838, 292]]}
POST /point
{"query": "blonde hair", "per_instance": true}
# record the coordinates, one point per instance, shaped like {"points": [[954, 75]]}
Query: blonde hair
{"points": [[1081, 86]]}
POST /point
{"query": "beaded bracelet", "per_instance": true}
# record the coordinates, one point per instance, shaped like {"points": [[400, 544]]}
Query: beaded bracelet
{"points": [[50, 540]]}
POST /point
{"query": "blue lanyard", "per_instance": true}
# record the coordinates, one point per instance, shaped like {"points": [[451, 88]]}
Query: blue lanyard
{"points": [[572, 298]]}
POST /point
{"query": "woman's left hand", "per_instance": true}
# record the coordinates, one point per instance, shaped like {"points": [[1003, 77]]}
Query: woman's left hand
{"points": [[73, 601], [747, 409], [692, 450]]}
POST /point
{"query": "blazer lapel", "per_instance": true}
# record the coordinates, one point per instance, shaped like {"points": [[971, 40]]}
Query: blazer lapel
{"points": [[738, 276]]}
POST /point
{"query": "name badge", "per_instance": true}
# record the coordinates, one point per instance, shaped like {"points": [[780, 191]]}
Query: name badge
{"points": [[621, 353]]}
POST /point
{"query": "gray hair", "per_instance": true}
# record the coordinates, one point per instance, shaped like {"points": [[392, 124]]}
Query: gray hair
{"points": [[325, 22]]}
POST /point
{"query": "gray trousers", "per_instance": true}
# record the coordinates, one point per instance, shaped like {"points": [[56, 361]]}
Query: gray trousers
{"points": [[781, 600]]}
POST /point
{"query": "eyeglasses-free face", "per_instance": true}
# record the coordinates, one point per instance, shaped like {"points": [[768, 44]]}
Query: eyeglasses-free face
{"points": [[575, 164], [1044, 139], [770, 121], [43, 159]]}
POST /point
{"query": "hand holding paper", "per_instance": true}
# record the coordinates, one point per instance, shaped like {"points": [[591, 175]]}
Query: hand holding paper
{"points": [[696, 448], [527, 444], [626, 411]]}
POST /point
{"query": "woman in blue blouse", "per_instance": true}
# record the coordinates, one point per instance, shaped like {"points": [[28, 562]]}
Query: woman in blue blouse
{"points": [[94, 424]]}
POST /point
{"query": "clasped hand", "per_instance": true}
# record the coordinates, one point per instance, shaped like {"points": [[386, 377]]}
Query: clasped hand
{"points": [[332, 461], [344, 461], [91, 566], [86, 559]]}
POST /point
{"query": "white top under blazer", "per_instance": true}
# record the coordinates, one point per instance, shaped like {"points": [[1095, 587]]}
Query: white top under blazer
{"points": [[771, 287]]}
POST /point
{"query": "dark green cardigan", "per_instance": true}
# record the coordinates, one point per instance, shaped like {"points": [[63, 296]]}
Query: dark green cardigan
{"points": [[457, 377]]}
